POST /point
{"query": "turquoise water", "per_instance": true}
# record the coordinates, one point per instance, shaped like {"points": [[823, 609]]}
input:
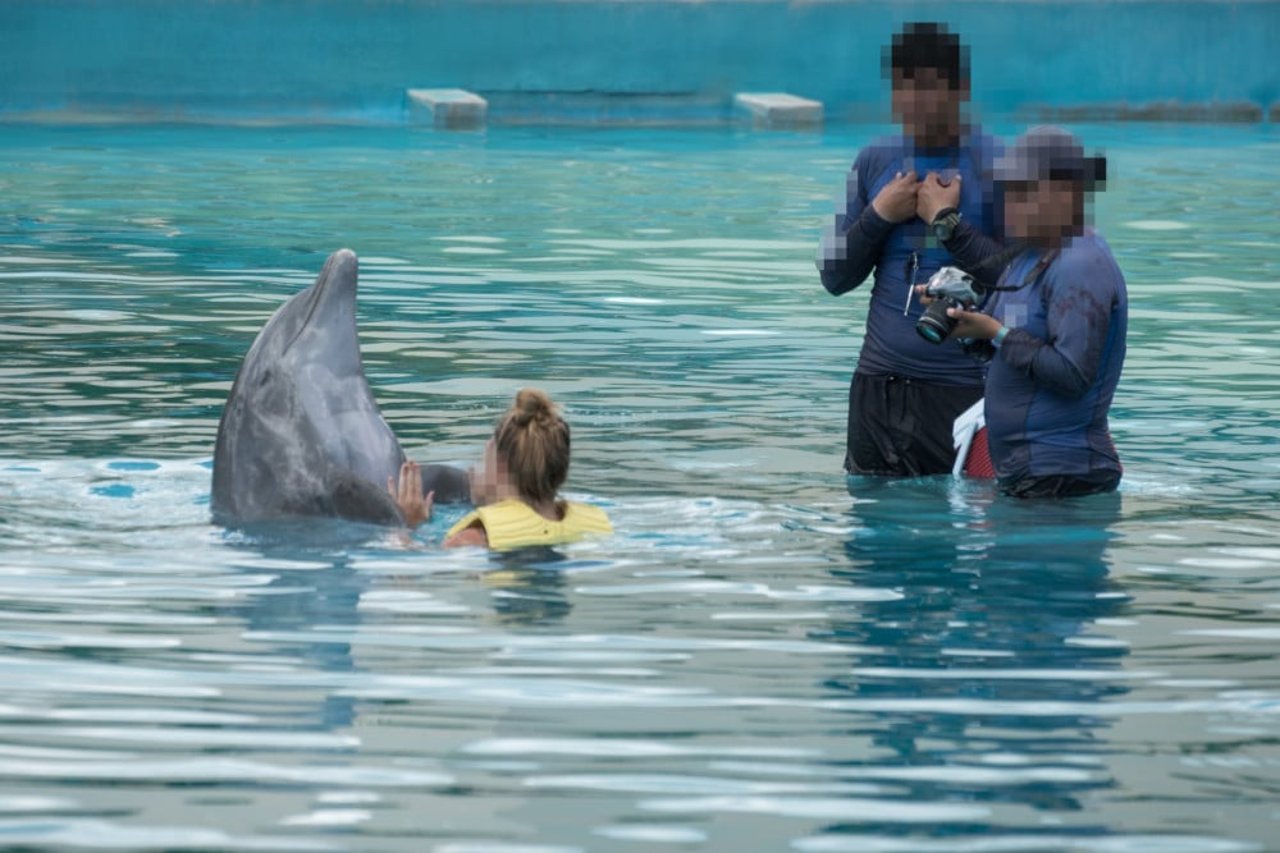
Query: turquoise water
{"points": [[765, 657]]}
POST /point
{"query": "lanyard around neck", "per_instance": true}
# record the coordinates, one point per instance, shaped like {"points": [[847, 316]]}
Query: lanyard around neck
{"points": [[1034, 275]]}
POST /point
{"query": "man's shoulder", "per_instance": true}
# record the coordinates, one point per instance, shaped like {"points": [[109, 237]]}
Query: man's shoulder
{"points": [[981, 139], [985, 150], [1085, 247], [1088, 260], [880, 150]]}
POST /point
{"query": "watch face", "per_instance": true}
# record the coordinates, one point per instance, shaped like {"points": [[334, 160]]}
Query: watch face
{"points": [[945, 227]]}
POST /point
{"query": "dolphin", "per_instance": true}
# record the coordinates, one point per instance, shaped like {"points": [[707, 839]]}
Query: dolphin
{"points": [[301, 435]]}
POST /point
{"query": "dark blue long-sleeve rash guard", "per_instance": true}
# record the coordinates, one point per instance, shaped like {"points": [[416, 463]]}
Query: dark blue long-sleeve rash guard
{"points": [[859, 240], [1052, 381]]}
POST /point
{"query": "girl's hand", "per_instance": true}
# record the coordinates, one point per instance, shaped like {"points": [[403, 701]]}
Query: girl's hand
{"points": [[408, 495]]}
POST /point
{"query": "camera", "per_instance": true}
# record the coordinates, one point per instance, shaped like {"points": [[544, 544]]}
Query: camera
{"points": [[950, 288]]}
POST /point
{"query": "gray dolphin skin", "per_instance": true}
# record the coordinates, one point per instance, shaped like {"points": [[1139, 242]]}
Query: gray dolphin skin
{"points": [[301, 435]]}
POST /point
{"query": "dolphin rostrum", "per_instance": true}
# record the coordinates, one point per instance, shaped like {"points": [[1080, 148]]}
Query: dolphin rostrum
{"points": [[301, 434]]}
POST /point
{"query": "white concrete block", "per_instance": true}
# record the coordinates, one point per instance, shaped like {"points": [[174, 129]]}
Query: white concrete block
{"points": [[778, 108], [447, 107]]}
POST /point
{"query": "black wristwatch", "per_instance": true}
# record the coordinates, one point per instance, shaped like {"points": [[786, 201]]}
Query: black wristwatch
{"points": [[944, 224]]}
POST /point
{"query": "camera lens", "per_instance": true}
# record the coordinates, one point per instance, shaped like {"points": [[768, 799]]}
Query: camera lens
{"points": [[934, 324]]}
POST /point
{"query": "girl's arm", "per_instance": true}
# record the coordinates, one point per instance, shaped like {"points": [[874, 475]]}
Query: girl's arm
{"points": [[471, 537]]}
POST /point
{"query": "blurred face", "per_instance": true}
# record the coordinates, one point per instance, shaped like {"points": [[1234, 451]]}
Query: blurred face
{"points": [[489, 481], [1043, 213], [927, 107]]}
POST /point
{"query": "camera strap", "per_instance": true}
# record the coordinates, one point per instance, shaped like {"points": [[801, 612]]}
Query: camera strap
{"points": [[1033, 276]]}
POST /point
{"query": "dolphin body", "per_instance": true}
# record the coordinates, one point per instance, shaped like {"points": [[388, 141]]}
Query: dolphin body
{"points": [[301, 435]]}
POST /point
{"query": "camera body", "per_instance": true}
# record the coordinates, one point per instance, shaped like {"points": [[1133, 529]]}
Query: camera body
{"points": [[949, 287]]}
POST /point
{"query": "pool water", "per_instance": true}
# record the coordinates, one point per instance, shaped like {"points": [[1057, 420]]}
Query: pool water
{"points": [[766, 656]]}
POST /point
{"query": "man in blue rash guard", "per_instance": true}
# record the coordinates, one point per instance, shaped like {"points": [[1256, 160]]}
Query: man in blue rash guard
{"points": [[906, 392], [1057, 321]]}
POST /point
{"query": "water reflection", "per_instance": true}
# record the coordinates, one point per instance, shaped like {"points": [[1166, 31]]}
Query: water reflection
{"points": [[325, 594], [970, 690], [527, 586], [318, 605]]}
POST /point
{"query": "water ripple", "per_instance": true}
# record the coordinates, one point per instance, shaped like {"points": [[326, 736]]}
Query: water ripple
{"points": [[765, 656]]}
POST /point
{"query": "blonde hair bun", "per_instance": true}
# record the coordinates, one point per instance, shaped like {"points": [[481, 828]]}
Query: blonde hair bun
{"points": [[532, 405], [534, 441]]}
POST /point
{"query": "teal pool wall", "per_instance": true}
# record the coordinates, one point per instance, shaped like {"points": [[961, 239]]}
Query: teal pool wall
{"points": [[353, 59]]}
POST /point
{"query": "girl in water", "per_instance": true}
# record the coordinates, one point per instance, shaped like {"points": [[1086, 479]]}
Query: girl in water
{"points": [[525, 464]]}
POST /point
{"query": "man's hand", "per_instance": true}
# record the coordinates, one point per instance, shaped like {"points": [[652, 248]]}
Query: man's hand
{"points": [[934, 196], [896, 202], [408, 495], [974, 324]]}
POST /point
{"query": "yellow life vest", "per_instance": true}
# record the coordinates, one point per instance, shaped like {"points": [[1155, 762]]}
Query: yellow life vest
{"points": [[514, 524]]}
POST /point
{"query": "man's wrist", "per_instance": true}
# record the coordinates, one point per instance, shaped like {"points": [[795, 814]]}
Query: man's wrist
{"points": [[944, 222], [998, 338], [941, 213]]}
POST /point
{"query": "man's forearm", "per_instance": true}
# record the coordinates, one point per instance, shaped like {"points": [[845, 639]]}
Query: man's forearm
{"points": [[981, 256], [850, 257], [1043, 363]]}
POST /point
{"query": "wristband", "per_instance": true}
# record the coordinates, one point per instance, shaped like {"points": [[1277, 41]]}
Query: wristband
{"points": [[999, 337]]}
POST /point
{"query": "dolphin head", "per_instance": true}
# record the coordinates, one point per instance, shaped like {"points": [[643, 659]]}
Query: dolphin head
{"points": [[318, 323], [328, 307]]}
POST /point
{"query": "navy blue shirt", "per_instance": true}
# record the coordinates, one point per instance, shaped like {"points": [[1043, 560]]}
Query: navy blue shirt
{"points": [[1051, 382], [860, 240]]}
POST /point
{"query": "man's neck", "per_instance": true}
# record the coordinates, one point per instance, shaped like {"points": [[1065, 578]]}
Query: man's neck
{"points": [[946, 140], [1056, 242]]}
